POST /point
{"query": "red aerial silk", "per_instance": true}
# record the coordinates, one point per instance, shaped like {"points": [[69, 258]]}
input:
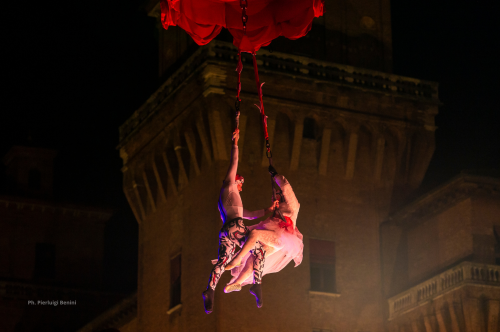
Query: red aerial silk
{"points": [[267, 19]]}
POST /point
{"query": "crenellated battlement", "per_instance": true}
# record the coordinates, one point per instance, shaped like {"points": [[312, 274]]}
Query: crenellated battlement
{"points": [[341, 123], [218, 53]]}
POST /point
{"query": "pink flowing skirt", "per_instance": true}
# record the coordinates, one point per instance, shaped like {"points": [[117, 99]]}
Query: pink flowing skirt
{"points": [[289, 246]]}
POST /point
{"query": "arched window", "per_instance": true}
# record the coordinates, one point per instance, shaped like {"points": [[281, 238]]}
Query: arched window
{"points": [[34, 179], [309, 128]]}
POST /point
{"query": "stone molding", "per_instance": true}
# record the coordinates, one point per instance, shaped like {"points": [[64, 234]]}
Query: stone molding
{"points": [[438, 200], [116, 317], [218, 52], [465, 273], [41, 206]]}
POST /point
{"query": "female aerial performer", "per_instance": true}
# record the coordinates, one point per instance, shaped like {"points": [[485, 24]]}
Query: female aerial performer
{"points": [[233, 232], [280, 240]]}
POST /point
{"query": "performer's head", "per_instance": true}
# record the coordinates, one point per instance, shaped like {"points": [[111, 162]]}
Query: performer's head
{"points": [[239, 182]]}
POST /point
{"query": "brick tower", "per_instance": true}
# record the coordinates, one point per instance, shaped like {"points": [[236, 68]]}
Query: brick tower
{"points": [[353, 140]]}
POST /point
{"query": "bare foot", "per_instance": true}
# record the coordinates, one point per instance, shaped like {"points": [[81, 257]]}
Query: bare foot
{"points": [[232, 288]]}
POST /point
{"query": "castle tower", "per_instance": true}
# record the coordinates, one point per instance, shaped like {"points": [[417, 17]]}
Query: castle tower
{"points": [[352, 141]]}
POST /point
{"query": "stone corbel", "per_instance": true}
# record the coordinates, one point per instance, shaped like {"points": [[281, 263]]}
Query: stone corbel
{"points": [[148, 189], [473, 314], [183, 177], [379, 153], [161, 189], [130, 193], [455, 316], [204, 140], [188, 135], [415, 326], [218, 137], [169, 171], [214, 80], [297, 142], [440, 314], [325, 151], [429, 324], [351, 150]]}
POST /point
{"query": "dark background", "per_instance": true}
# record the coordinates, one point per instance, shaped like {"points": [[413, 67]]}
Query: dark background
{"points": [[74, 72]]}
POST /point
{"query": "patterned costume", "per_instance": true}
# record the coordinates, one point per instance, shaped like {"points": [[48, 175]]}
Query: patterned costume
{"points": [[284, 238], [233, 231]]}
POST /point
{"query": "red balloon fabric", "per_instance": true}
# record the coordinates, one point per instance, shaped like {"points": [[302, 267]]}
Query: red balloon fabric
{"points": [[267, 19]]}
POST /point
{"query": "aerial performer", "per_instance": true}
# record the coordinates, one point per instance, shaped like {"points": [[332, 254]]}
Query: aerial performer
{"points": [[278, 235], [233, 232], [253, 24]]}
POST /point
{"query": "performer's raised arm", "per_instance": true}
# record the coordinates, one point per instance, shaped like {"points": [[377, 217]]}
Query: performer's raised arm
{"points": [[233, 163], [292, 205]]}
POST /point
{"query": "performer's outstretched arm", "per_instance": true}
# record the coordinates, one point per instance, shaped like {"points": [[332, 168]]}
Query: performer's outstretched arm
{"points": [[233, 163], [257, 214]]}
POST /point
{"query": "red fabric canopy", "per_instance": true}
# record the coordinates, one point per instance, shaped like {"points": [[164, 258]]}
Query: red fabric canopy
{"points": [[267, 19]]}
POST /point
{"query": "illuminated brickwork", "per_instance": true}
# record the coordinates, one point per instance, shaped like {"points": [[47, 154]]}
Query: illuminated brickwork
{"points": [[439, 258], [352, 142]]}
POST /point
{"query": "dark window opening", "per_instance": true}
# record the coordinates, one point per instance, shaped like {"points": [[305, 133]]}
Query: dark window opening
{"points": [[34, 179], [309, 130], [175, 281], [323, 266], [45, 261]]}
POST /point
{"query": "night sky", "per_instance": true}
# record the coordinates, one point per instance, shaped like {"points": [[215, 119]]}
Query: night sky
{"points": [[75, 71]]}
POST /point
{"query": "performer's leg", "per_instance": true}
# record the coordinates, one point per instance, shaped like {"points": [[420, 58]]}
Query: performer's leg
{"points": [[244, 274], [258, 267], [259, 254], [232, 233], [226, 252], [237, 231], [265, 237], [247, 271]]}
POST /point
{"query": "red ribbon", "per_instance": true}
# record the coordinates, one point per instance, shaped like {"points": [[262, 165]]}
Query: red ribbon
{"points": [[288, 225]]}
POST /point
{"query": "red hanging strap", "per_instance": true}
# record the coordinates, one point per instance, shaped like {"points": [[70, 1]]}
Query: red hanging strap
{"points": [[277, 213], [239, 68], [269, 154]]}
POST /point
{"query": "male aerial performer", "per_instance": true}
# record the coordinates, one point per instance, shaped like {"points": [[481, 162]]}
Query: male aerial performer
{"points": [[233, 231]]}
